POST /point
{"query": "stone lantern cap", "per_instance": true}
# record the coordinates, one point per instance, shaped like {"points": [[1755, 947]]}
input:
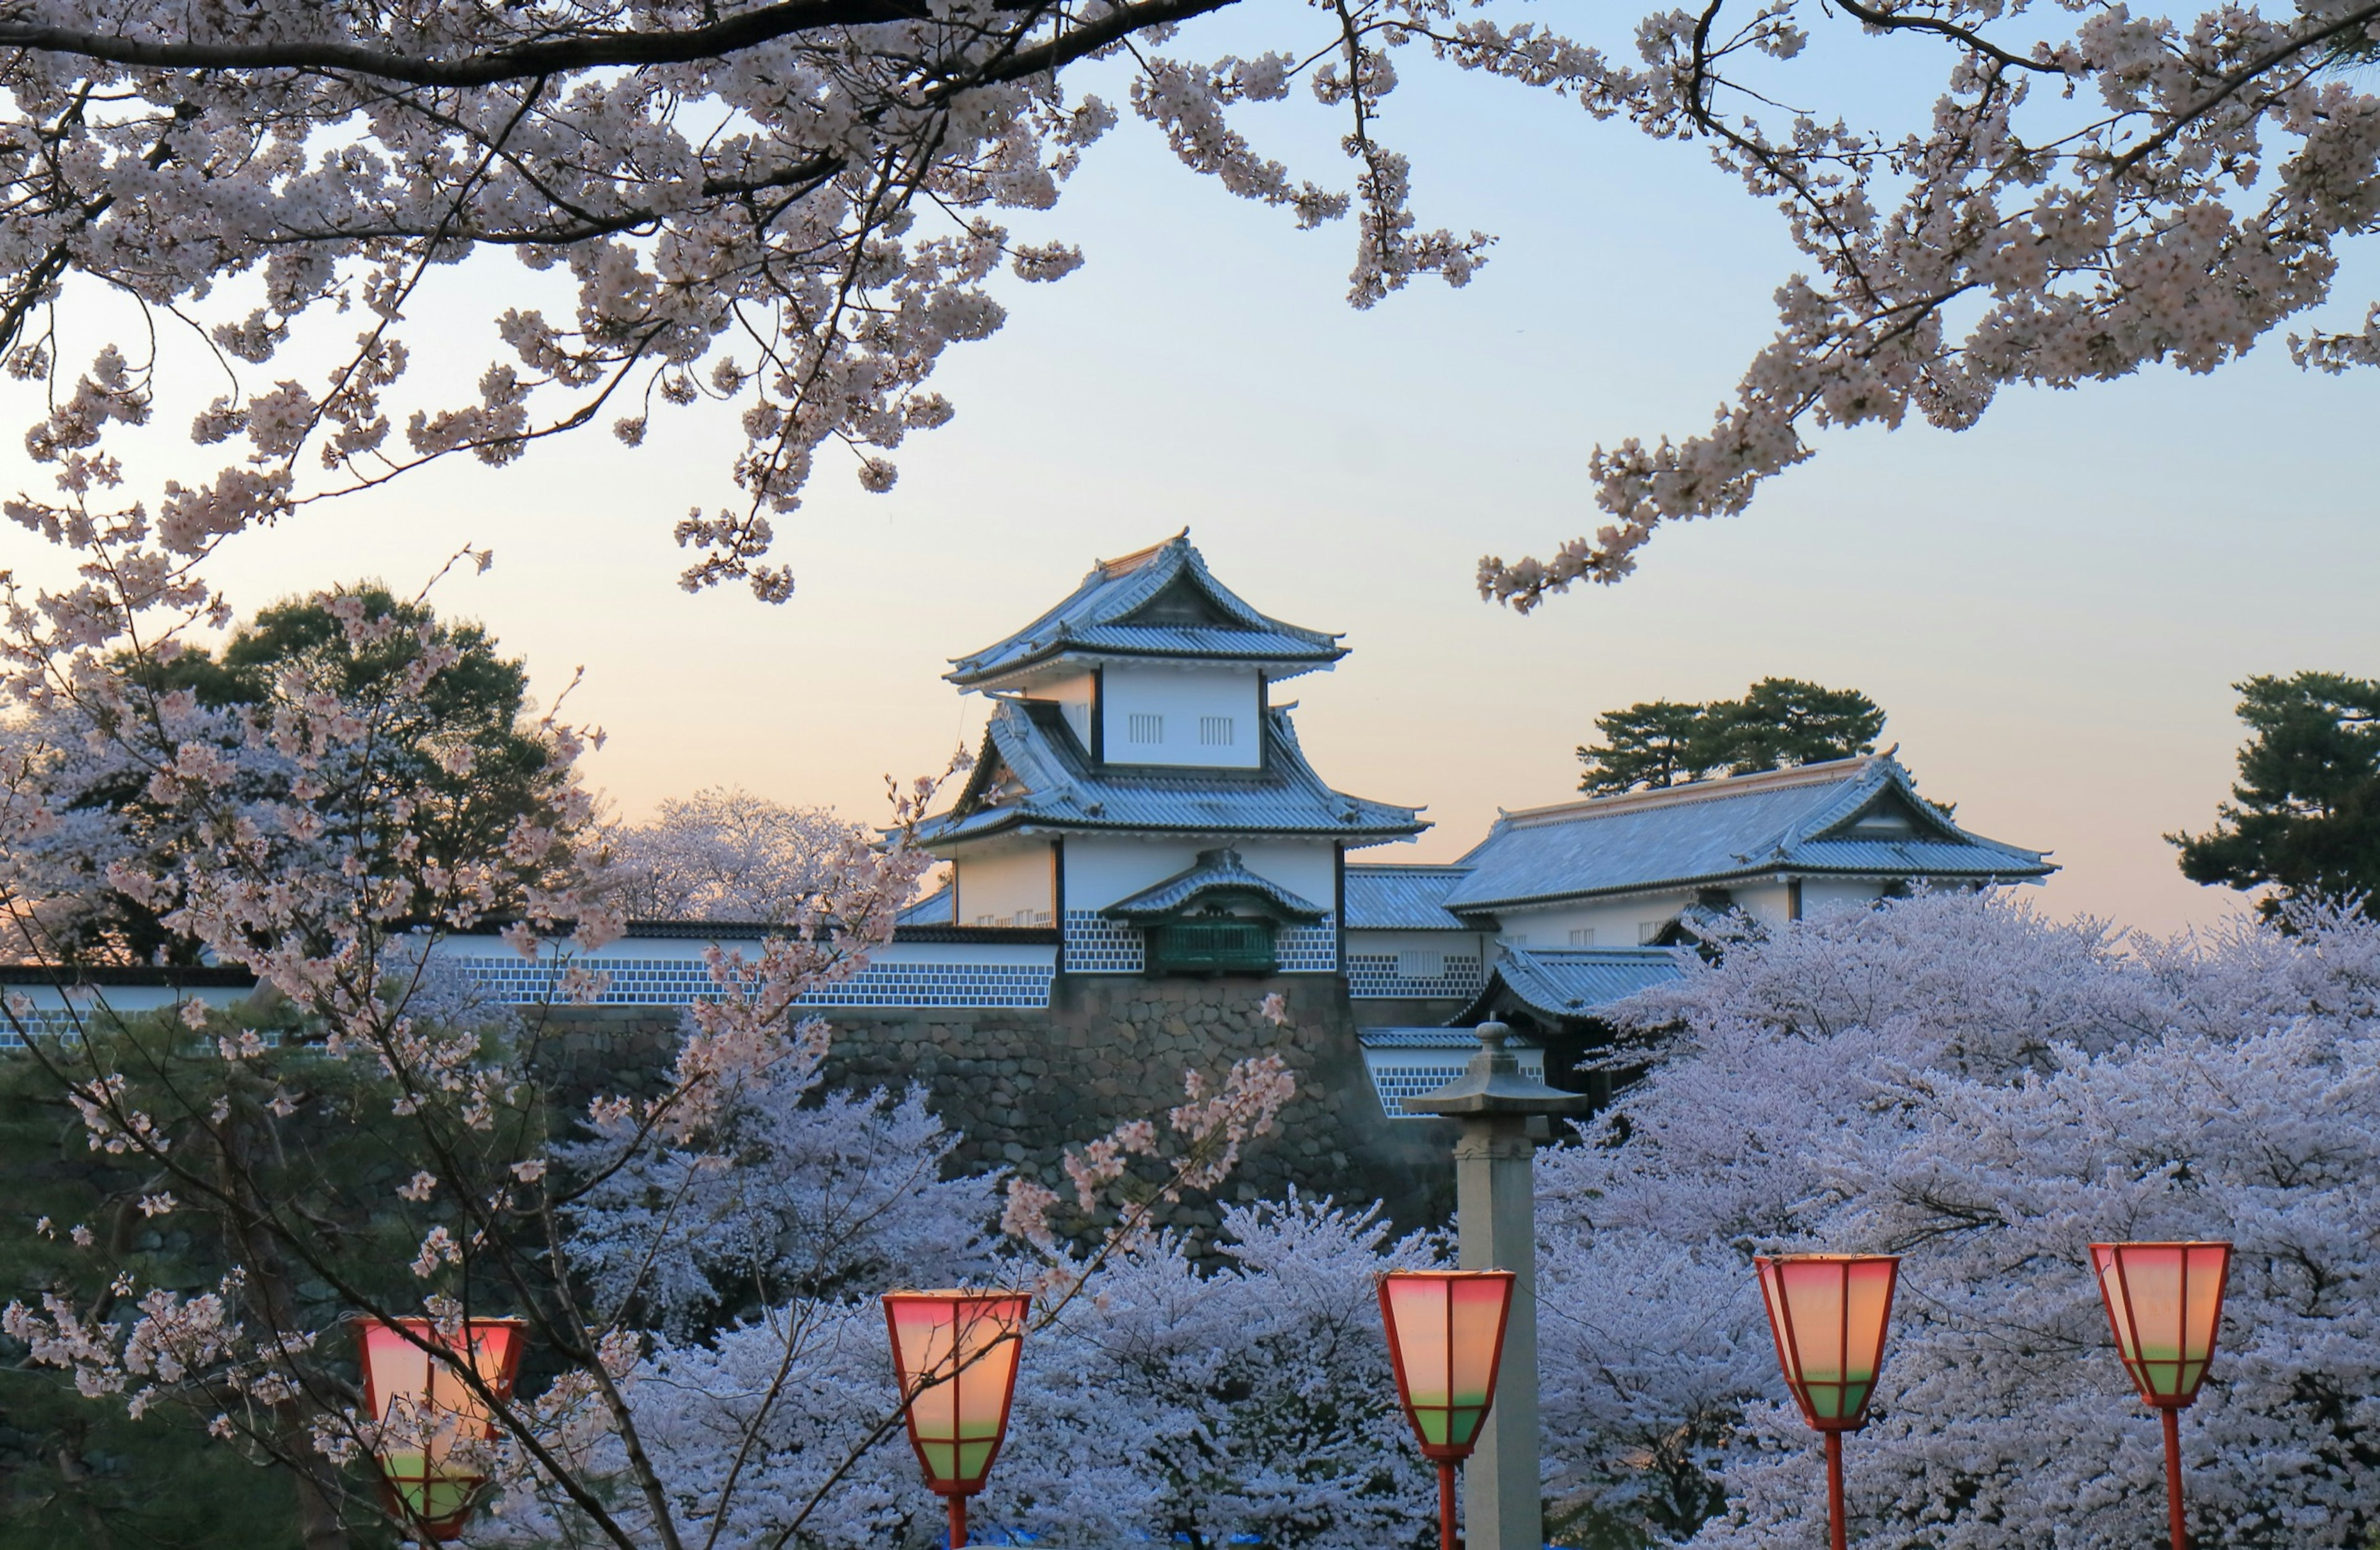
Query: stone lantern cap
{"points": [[1494, 1084]]}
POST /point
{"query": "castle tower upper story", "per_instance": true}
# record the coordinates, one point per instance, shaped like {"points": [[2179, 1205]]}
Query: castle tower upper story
{"points": [[1138, 786], [1154, 663]]}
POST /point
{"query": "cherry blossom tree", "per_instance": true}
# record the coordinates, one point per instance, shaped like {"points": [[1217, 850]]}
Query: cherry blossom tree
{"points": [[358, 1142], [1984, 1092], [725, 853], [795, 207]]}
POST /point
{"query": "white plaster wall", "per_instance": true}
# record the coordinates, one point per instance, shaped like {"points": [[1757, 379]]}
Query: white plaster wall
{"points": [[1075, 697], [1769, 903], [1303, 866], [1100, 870], [691, 950], [128, 1000], [1820, 895], [1613, 921], [1621, 923], [1181, 697], [1375, 943], [1006, 884], [1404, 945]]}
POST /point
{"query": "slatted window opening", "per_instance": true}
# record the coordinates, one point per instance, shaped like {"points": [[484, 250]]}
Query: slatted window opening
{"points": [[1214, 731], [1145, 728]]}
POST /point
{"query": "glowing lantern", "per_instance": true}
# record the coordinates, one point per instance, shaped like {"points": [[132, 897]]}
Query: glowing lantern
{"points": [[1446, 1341], [425, 1409], [1828, 1314], [955, 1353], [2165, 1302]]}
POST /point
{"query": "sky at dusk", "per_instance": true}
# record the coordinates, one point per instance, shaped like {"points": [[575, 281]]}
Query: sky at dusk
{"points": [[2050, 608]]}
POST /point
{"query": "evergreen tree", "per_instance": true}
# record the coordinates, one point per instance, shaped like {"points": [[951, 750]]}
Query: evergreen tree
{"points": [[461, 761], [1652, 744], [2305, 813], [1777, 723], [1784, 721]]}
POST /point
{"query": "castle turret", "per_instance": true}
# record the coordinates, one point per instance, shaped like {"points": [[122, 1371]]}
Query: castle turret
{"points": [[1137, 787]]}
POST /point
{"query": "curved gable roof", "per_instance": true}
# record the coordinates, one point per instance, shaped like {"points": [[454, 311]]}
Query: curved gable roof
{"points": [[1162, 603], [1216, 872], [1804, 820], [1571, 983]]}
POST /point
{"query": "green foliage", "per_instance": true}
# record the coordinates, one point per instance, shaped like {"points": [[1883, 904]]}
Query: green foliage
{"points": [[297, 1132], [1778, 722], [2305, 813], [75, 1473], [454, 757]]}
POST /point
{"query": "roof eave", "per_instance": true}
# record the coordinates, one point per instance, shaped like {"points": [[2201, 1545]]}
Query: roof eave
{"points": [[1750, 874], [997, 676]]}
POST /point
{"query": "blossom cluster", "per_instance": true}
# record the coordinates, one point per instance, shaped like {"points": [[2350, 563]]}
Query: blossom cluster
{"points": [[1985, 1094]]}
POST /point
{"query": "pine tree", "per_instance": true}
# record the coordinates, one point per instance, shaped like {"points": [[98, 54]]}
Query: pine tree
{"points": [[1778, 722], [2305, 813]]}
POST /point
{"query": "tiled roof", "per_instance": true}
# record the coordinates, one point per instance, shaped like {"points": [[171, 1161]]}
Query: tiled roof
{"points": [[1573, 982], [935, 909], [1748, 826], [1194, 616], [1033, 772], [1463, 1040], [1386, 896], [1216, 870]]}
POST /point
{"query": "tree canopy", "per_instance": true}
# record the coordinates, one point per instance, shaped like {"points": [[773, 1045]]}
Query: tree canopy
{"points": [[727, 854], [457, 761], [1777, 723], [2304, 818], [795, 206]]}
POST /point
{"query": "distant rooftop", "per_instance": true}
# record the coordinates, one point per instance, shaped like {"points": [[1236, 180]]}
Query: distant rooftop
{"points": [[1159, 603], [1410, 896], [1855, 818], [1572, 982]]}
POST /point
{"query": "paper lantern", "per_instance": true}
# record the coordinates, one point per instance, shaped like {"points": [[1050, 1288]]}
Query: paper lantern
{"points": [[1828, 1313], [425, 1409], [2165, 1302], [955, 1354]]}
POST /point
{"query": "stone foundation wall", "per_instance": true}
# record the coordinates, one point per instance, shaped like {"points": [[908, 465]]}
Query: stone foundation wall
{"points": [[1022, 1085]]}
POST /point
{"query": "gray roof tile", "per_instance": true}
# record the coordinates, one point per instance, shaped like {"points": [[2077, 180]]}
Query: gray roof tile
{"points": [[1056, 786], [1097, 619], [1576, 982], [1713, 832], [1387, 896]]}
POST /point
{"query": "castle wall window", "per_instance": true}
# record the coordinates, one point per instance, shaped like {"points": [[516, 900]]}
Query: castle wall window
{"points": [[1145, 728], [1214, 731], [1582, 936]]}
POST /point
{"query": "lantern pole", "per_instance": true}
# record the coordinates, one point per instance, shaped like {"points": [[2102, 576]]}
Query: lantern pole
{"points": [[1835, 1532], [1495, 1214], [2174, 1521]]}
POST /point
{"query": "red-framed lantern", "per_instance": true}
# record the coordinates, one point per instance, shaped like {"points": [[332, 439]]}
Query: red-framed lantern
{"points": [[954, 1353], [414, 1392], [1446, 1343], [1828, 1314], [2164, 1303]]}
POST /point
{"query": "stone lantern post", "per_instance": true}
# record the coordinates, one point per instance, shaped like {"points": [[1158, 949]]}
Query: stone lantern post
{"points": [[1495, 1214]]}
